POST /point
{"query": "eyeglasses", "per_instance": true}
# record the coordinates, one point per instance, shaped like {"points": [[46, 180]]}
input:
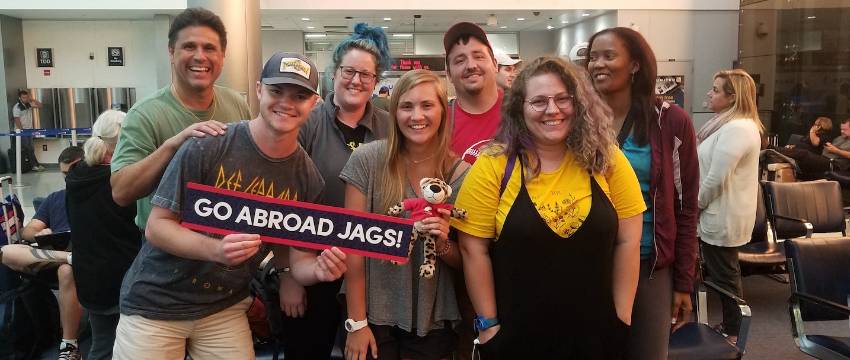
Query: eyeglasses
{"points": [[365, 76], [541, 103]]}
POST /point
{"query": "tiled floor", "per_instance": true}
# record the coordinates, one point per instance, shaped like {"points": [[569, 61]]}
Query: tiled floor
{"points": [[36, 184]]}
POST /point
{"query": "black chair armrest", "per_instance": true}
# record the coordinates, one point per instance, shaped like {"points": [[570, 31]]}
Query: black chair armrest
{"points": [[806, 227], [831, 305], [746, 313], [716, 288]]}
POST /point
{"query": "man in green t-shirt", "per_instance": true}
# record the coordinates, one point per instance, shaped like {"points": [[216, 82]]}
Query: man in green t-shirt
{"points": [[191, 106]]}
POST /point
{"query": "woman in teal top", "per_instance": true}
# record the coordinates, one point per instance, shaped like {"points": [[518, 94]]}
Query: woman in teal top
{"points": [[658, 140]]}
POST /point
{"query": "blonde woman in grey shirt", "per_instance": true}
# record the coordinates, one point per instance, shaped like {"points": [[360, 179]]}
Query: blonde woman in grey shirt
{"points": [[393, 312]]}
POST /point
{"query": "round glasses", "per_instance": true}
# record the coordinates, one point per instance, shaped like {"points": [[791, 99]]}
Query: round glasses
{"points": [[541, 103], [348, 73]]}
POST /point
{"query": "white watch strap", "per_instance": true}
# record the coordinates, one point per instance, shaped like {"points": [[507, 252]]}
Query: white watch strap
{"points": [[352, 326]]}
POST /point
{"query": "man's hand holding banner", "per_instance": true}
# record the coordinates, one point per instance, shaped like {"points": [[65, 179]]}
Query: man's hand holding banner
{"points": [[219, 211]]}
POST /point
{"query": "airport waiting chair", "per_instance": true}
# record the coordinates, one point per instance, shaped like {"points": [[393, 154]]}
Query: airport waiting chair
{"points": [[820, 285], [803, 208], [762, 255], [697, 340]]}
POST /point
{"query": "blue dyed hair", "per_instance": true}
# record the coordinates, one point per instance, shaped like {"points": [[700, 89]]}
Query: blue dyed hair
{"points": [[369, 39]]}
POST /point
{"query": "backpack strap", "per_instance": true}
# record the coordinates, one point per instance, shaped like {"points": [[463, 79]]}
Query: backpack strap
{"points": [[451, 173], [452, 105], [626, 130], [509, 169]]}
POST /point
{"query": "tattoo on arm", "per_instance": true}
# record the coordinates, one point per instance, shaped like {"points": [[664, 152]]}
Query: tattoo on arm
{"points": [[43, 259]]}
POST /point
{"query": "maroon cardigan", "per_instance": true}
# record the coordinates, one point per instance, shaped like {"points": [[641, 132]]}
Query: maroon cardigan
{"points": [[674, 187]]}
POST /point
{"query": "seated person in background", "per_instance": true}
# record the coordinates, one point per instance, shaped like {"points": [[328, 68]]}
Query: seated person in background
{"points": [[838, 151], [49, 218], [816, 138]]}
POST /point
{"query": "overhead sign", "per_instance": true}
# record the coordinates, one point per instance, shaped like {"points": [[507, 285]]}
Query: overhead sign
{"points": [[115, 56], [44, 57], [219, 211], [413, 63]]}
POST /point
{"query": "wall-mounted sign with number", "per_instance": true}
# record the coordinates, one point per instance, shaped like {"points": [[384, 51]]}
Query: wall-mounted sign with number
{"points": [[115, 56], [44, 57]]}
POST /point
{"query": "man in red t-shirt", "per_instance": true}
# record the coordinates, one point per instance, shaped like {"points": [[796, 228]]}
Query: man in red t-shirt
{"points": [[471, 67]]}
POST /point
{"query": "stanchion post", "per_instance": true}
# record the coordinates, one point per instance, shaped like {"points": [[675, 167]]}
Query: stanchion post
{"points": [[18, 157], [74, 137]]}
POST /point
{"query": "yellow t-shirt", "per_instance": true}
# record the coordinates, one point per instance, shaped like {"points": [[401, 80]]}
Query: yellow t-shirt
{"points": [[561, 197]]}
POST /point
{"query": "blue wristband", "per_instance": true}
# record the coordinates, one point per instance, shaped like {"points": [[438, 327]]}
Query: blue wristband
{"points": [[482, 323]]}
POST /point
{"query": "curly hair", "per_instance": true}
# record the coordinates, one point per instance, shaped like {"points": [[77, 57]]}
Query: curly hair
{"points": [[369, 39], [590, 138]]}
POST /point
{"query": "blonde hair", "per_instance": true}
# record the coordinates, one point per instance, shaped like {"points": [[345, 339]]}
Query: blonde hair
{"points": [[392, 180], [825, 124], [104, 136], [591, 138], [740, 85]]}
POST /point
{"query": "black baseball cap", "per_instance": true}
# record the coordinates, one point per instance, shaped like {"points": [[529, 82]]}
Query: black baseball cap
{"points": [[291, 68], [462, 29]]}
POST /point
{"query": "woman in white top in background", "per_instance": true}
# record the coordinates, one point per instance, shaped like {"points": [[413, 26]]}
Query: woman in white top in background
{"points": [[728, 160]]}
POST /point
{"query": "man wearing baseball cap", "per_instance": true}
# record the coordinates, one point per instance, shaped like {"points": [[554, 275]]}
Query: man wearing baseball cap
{"points": [[471, 67], [508, 70], [475, 116], [188, 291]]}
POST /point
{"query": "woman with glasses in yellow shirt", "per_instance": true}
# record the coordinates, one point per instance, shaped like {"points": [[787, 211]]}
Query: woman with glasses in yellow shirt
{"points": [[551, 241]]}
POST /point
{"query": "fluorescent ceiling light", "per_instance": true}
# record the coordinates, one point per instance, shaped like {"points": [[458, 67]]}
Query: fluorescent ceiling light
{"points": [[305, 19], [585, 14], [549, 27], [315, 35], [564, 22], [388, 19], [311, 27], [520, 19], [385, 27], [503, 27], [321, 43], [403, 35], [812, 17]]}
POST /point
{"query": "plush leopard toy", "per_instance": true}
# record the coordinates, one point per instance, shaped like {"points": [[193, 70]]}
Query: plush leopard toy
{"points": [[435, 192]]}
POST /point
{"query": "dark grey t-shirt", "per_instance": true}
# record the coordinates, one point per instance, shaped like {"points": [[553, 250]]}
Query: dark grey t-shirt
{"points": [[326, 144], [842, 143], [163, 286]]}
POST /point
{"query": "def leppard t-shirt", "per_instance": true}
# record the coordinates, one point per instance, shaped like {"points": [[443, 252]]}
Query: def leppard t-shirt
{"points": [[163, 286]]}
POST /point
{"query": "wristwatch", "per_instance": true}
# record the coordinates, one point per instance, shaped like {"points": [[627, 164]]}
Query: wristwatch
{"points": [[482, 323], [352, 326]]}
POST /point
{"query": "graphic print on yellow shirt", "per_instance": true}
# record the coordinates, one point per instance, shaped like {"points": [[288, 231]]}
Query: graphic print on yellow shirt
{"points": [[562, 197]]}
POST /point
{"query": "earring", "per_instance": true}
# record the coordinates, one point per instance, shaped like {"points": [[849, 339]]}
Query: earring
{"points": [[633, 77]]}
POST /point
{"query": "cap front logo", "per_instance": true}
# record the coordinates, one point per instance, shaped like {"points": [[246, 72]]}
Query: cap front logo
{"points": [[296, 66]]}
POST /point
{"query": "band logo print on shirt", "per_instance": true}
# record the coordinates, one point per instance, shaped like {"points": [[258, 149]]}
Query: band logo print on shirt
{"points": [[287, 222]]}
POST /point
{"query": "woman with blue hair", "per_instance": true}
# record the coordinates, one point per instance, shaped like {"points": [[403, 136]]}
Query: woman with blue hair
{"points": [[345, 120]]}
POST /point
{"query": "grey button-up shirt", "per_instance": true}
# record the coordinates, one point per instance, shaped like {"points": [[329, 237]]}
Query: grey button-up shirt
{"points": [[325, 144]]}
